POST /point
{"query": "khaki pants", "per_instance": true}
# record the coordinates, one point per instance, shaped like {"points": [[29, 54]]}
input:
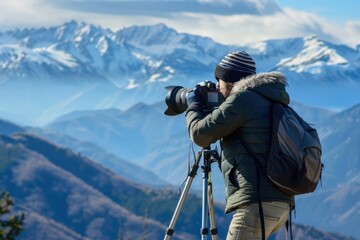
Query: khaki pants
{"points": [[246, 225]]}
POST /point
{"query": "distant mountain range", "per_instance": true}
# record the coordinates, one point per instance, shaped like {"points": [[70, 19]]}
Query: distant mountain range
{"points": [[84, 52], [79, 66], [142, 139], [67, 196], [91, 150], [340, 190]]}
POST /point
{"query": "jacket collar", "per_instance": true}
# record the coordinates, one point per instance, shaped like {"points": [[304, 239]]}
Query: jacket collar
{"points": [[259, 79]]}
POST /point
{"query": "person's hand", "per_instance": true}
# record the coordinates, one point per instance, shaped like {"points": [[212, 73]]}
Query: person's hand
{"points": [[193, 96], [194, 99]]}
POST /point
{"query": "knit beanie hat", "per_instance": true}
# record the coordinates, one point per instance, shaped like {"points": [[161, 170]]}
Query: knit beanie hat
{"points": [[234, 66]]}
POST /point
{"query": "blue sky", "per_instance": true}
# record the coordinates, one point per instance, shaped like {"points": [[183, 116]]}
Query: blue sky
{"points": [[225, 21], [339, 10]]}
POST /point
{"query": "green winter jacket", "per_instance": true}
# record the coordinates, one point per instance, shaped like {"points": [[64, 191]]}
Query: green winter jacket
{"points": [[246, 111]]}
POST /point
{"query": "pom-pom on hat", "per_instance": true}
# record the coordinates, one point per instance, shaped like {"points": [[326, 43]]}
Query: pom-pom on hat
{"points": [[234, 66]]}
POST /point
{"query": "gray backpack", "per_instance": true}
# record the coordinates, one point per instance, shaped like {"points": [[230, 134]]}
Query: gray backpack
{"points": [[294, 161]]}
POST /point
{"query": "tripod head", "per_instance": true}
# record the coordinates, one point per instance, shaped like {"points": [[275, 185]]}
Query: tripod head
{"points": [[211, 156], [214, 156]]}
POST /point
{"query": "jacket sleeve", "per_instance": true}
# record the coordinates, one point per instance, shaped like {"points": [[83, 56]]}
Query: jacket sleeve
{"points": [[205, 130]]}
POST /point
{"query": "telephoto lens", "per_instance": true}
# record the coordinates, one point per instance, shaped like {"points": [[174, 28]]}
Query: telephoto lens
{"points": [[176, 100]]}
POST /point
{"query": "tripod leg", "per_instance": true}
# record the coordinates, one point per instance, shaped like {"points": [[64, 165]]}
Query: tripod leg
{"points": [[205, 208], [204, 219], [191, 176], [213, 229]]}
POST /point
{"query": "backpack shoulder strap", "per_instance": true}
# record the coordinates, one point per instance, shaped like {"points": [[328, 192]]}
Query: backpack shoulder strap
{"points": [[258, 169]]}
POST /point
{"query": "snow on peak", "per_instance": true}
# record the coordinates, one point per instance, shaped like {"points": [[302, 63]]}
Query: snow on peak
{"points": [[102, 45], [49, 56], [132, 84], [314, 55]]}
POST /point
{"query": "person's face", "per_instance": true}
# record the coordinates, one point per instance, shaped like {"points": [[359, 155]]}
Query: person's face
{"points": [[224, 87]]}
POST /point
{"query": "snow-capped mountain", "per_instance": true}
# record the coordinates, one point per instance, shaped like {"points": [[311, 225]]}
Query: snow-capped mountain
{"points": [[79, 50], [309, 59], [79, 66], [83, 51], [74, 50]]}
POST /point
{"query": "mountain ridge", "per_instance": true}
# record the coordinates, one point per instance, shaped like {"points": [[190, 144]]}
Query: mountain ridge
{"points": [[36, 175], [85, 197], [80, 66], [105, 46]]}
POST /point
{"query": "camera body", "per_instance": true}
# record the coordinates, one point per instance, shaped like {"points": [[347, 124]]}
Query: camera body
{"points": [[176, 97], [209, 94]]}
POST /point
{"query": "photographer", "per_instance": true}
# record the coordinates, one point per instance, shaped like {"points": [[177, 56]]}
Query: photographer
{"points": [[244, 114]]}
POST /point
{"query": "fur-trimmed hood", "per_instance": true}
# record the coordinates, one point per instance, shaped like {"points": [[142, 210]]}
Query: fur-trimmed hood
{"points": [[256, 80], [270, 84]]}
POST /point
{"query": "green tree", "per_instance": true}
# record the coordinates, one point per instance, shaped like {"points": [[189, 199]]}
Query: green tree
{"points": [[10, 226]]}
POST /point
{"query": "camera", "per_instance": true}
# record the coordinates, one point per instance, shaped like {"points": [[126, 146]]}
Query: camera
{"points": [[176, 97]]}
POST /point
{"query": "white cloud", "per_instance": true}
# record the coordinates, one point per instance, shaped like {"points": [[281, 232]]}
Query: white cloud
{"points": [[36, 13], [225, 2], [237, 29], [352, 32], [231, 29], [14, 12]]}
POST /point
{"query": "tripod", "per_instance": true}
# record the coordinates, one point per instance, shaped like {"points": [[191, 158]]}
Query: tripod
{"points": [[209, 156]]}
